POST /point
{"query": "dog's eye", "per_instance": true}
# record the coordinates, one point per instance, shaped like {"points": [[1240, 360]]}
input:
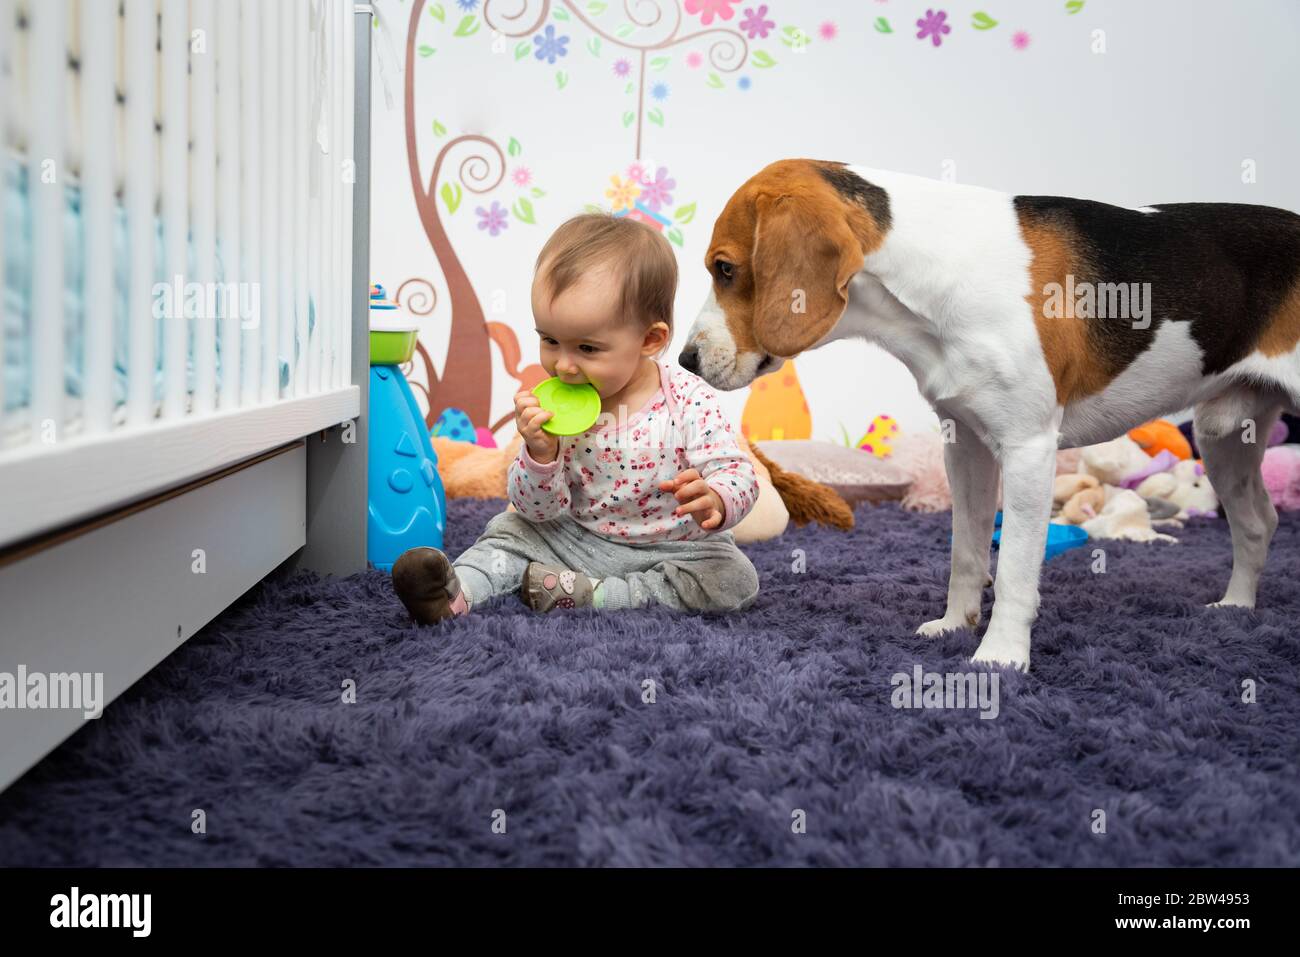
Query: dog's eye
{"points": [[724, 270]]}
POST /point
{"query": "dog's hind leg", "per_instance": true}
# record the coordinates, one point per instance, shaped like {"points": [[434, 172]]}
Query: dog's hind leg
{"points": [[1231, 435], [973, 477]]}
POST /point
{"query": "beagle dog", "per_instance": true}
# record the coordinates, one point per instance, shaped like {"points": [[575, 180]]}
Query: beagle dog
{"points": [[1031, 323]]}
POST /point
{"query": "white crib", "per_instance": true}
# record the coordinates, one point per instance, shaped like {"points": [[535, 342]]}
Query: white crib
{"points": [[184, 263]]}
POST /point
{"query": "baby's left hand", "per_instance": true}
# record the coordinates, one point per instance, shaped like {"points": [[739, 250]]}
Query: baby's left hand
{"points": [[696, 498]]}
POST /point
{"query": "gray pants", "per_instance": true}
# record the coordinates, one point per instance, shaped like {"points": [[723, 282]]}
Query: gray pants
{"points": [[710, 574]]}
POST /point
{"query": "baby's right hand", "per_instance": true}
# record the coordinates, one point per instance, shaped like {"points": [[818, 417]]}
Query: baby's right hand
{"points": [[529, 416]]}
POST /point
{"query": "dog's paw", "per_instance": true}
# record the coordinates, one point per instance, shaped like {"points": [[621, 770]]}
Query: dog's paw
{"points": [[941, 626], [1005, 650], [1231, 603]]}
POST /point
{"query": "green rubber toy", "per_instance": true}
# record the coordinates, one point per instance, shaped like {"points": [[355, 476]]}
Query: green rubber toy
{"points": [[576, 407]]}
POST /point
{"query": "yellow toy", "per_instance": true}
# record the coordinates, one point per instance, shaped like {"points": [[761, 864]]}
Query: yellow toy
{"points": [[879, 437]]}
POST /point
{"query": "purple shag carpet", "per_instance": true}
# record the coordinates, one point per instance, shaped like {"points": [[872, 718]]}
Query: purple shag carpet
{"points": [[1134, 707]]}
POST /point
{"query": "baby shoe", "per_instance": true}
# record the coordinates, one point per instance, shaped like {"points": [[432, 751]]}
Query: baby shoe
{"points": [[545, 587], [426, 582]]}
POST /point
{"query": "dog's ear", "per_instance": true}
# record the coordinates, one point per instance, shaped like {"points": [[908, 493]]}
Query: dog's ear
{"points": [[804, 256]]}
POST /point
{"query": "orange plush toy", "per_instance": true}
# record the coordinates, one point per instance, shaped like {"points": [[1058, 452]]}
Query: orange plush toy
{"points": [[1160, 435]]}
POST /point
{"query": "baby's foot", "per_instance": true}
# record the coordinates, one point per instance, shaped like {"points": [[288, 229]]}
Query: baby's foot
{"points": [[545, 587], [426, 582]]}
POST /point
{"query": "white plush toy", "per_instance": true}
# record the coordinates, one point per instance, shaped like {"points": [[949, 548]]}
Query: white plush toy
{"points": [[1124, 515], [1186, 485], [1112, 462]]}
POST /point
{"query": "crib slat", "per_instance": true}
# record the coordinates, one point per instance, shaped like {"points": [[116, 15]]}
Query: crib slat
{"points": [[339, 13], [272, 277], [175, 201], [227, 53], [98, 174], [141, 67], [204, 196], [46, 177], [315, 183], [6, 31], [346, 124], [283, 65], [301, 131], [251, 205], [327, 202]]}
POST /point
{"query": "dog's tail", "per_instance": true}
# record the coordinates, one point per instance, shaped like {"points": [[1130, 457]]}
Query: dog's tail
{"points": [[806, 500]]}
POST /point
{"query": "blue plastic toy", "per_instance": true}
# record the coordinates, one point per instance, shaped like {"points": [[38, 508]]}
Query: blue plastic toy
{"points": [[1060, 538], [408, 506]]}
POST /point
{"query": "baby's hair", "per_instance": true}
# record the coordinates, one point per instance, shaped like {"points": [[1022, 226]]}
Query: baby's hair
{"points": [[637, 253]]}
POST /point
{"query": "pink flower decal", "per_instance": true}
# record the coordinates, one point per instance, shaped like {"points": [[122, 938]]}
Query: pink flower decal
{"points": [[708, 9]]}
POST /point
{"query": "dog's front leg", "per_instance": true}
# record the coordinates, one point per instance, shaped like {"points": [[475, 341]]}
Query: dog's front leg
{"points": [[973, 478], [1027, 471]]}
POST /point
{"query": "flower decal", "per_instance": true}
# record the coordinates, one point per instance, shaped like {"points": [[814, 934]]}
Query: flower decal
{"points": [[656, 193], [708, 9], [549, 46], [494, 219], [623, 193], [756, 25], [932, 26]]}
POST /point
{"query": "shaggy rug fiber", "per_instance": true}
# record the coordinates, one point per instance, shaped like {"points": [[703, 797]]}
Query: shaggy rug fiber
{"points": [[770, 738]]}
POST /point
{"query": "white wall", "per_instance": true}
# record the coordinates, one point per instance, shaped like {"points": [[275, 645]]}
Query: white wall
{"points": [[1183, 94]]}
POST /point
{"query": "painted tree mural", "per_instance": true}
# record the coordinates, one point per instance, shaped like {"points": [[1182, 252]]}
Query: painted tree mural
{"points": [[646, 38]]}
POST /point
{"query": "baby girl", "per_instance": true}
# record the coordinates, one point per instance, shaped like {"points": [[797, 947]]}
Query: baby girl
{"points": [[635, 511]]}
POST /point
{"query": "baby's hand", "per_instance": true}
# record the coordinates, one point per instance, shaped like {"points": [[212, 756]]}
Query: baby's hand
{"points": [[529, 416], [696, 498]]}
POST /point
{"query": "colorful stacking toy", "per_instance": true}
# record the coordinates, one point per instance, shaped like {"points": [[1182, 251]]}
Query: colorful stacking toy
{"points": [[408, 506]]}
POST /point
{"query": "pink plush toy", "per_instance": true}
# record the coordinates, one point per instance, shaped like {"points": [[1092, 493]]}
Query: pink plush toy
{"points": [[1281, 473]]}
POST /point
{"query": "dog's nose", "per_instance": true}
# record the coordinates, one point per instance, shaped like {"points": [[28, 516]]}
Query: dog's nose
{"points": [[689, 359]]}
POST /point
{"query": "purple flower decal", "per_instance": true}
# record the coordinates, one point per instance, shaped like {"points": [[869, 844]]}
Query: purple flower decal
{"points": [[933, 27], [755, 24], [655, 194], [622, 68], [549, 46], [494, 220]]}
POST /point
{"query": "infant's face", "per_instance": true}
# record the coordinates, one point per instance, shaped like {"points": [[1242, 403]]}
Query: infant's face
{"points": [[581, 339]]}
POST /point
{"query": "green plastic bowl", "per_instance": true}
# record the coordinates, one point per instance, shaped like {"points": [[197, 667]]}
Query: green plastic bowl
{"points": [[392, 348]]}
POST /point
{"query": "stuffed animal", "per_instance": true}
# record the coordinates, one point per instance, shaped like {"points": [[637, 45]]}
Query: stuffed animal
{"points": [[1112, 462], [1281, 474], [1160, 435], [1186, 485], [1125, 516]]}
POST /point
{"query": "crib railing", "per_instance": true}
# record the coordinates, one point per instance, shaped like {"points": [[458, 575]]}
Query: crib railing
{"points": [[230, 228]]}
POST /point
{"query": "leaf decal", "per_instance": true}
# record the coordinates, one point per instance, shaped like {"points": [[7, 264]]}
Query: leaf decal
{"points": [[451, 195]]}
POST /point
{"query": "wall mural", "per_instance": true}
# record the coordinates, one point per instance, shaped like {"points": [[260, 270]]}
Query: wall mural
{"points": [[653, 48]]}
